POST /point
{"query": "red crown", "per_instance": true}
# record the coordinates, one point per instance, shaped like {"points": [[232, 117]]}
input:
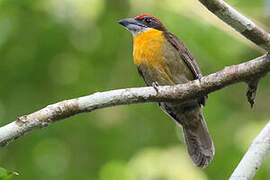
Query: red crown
{"points": [[144, 15]]}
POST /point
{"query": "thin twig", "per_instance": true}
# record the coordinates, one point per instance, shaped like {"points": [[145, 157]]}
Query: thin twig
{"points": [[239, 22], [180, 93], [254, 157]]}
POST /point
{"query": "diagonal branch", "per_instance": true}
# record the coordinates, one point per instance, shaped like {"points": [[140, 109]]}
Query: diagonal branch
{"points": [[254, 157], [182, 92], [239, 22], [261, 145]]}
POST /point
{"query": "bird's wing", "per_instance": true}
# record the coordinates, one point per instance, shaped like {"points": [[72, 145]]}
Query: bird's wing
{"points": [[184, 54], [186, 57]]}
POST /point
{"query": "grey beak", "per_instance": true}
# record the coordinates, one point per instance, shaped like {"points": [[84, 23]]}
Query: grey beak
{"points": [[132, 25], [127, 21]]}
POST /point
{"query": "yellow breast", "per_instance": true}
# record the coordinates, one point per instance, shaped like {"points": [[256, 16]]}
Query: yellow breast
{"points": [[148, 48]]}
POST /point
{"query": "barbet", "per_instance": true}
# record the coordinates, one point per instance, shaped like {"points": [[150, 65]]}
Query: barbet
{"points": [[163, 59]]}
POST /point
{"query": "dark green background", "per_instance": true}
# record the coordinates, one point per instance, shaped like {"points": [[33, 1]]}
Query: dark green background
{"points": [[51, 50]]}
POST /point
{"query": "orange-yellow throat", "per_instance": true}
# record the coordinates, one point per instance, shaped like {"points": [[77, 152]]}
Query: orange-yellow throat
{"points": [[148, 48]]}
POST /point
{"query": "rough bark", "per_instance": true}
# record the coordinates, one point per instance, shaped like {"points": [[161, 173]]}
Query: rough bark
{"points": [[182, 92]]}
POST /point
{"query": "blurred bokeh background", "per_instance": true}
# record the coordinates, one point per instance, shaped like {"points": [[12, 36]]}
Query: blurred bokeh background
{"points": [[51, 50]]}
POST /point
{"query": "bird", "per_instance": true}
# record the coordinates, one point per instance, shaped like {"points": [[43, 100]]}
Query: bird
{"points": [[163, 59]]}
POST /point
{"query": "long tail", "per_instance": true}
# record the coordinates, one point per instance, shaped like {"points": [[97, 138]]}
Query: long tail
{"points": [[199, 143]]}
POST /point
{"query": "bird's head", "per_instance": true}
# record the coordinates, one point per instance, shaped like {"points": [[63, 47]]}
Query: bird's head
{"points": [[142, 23]]}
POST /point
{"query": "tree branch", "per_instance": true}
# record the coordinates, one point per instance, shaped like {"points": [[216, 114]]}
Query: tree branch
{"points": [[180, 93], [261, 145], [239, 22], [254, 157]]}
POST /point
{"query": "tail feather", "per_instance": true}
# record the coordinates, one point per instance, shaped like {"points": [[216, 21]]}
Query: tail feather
{"points": [[200, 150], [197, 138]]}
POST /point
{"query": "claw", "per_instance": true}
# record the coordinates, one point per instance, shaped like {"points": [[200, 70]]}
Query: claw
{"points": [[199, 77], [155, 86]]}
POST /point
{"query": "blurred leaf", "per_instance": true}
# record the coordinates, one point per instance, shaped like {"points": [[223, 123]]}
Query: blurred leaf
{"points": [[171, 163], [116, 170], [6, 175]]}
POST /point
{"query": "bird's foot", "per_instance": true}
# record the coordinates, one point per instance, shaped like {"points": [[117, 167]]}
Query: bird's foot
{"points": [[155, 86], [200, 77]]}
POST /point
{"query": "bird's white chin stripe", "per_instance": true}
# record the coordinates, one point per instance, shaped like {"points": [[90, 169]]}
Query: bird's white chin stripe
{"points": [[136, 30]]}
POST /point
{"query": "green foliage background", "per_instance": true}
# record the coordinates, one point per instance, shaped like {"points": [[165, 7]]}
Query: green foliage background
{"points": [[52, 50]]}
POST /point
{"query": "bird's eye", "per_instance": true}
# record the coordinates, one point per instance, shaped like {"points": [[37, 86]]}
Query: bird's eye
{"points": [[148, 20]]}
